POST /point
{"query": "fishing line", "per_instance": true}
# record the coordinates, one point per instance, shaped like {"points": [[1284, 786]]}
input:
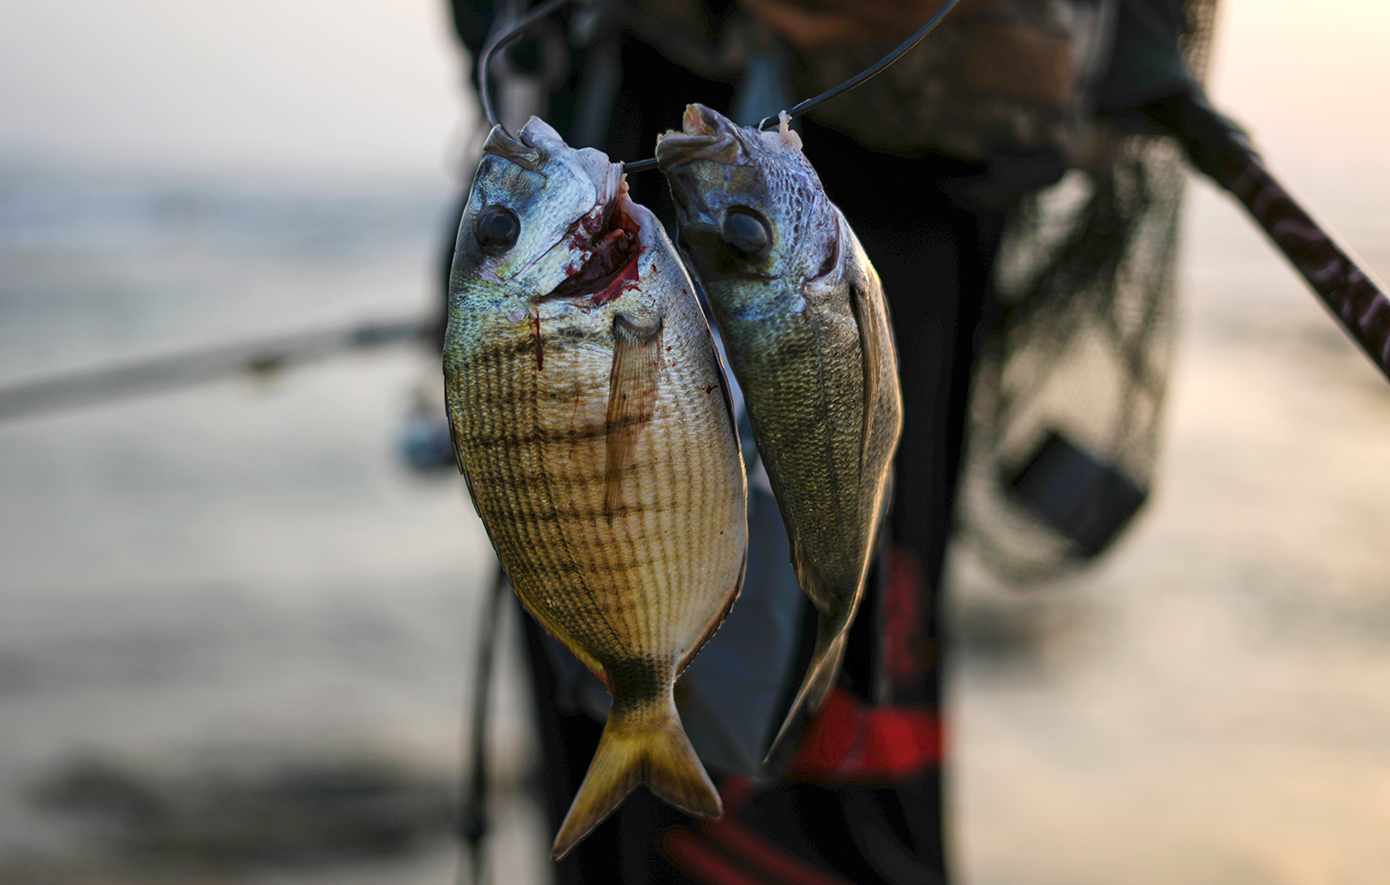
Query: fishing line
{"points": [[810, 104], [868, 73], [501, 42]]}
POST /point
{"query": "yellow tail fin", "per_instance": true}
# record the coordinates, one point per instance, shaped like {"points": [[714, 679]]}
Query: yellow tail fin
{"points": [[640, 744]]}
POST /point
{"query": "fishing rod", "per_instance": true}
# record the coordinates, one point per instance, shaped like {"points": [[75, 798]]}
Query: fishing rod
{"points": [[515, 33], [257, 358], [1220, 150], [473, 821]]}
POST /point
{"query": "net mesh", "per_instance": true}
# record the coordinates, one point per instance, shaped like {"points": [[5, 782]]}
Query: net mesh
{"points": [[1084, 340]]}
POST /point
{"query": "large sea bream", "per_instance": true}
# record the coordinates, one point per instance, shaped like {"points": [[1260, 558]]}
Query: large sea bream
{"points": [[592, 421]]}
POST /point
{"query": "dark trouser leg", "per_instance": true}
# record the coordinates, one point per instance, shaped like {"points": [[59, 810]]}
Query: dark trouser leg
{"points": [[933, 256]]}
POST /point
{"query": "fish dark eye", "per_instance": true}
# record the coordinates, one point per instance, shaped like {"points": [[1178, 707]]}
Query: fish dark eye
{"points": [[746, 233], [497, 230]]}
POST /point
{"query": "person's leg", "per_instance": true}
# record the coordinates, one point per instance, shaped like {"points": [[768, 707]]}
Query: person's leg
{"points": [[933, 254]]}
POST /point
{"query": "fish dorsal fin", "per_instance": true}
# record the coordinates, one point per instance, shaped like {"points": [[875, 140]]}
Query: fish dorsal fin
{"points": [[632, 394]]}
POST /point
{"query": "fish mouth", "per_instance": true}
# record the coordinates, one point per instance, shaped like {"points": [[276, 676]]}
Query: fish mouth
{"points": [[704, 135], [607, 244]]}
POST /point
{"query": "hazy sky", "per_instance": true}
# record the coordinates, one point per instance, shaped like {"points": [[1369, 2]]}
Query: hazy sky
{"points": [[1311, 79], [339, 85], [371, 86]]}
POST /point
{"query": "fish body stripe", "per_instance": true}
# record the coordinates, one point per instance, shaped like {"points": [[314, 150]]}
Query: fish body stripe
{"points": [[630, 579]]}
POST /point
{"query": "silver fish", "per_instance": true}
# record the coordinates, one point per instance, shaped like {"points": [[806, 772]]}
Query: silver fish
{"points": [[807, 333], [592, 421]]}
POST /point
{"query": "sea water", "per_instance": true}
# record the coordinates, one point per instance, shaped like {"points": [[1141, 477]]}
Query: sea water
{"points": [[237, 579]]}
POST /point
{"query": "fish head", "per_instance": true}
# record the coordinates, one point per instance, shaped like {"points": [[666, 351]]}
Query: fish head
{"points": [[750, 205], [543, 220]]}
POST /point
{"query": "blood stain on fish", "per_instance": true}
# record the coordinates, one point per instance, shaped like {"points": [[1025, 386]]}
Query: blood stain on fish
{"points": [[540, 348]]}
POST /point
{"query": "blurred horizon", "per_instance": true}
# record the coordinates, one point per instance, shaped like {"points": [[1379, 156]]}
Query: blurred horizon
{"points": [[258, 88]]}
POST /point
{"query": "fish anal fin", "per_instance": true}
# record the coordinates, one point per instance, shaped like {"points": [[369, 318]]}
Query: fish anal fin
{"points": [[632, 395], [643, 743]]}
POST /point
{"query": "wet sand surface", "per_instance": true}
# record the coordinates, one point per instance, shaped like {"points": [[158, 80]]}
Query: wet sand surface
{"points": [[232, 602]]}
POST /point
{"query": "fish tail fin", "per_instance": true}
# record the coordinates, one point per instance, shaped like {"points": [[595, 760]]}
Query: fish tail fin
{"points": [[831, 638], [640, 744]]}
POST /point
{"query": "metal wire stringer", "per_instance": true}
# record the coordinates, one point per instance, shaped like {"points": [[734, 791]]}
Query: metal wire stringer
{"points": [[525, 23]]}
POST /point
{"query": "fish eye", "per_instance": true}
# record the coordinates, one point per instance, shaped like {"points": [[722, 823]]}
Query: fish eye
{"points": [[497, 230], [746, 232]]}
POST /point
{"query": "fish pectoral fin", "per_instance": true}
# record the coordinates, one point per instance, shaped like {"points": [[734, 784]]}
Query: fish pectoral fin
{"points": [[632, 393], [871, 349], [643, 743]]}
